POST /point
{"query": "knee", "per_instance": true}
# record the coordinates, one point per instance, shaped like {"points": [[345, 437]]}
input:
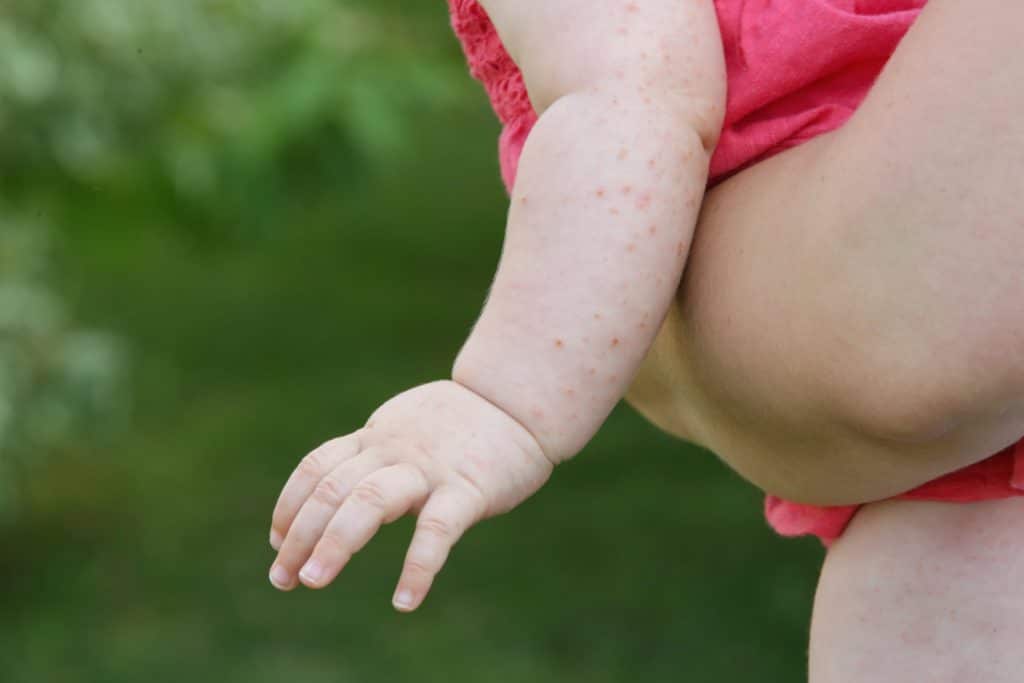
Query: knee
{"points": [[926, 393]]}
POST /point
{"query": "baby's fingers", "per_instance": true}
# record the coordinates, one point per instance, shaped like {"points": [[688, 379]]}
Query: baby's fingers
{"points": [[317, 512], [380, 498], [314, 467], [447, 515]]}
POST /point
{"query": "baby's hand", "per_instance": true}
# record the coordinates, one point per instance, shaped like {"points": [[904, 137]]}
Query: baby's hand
{"points": [[438, 450]]}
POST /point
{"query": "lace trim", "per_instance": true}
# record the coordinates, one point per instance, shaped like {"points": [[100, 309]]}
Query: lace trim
{"points": [[489, 62]]}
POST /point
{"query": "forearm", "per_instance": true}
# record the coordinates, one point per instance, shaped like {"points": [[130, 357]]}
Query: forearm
{"points": [[599, 227]]}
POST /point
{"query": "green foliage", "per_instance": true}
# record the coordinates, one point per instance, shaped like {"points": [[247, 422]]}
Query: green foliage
{"points": [[56, 381], [222, 109], [218, 117]]}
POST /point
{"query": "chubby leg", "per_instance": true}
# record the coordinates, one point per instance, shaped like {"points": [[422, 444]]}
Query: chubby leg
{"points": [[922, 591], [851, 322]]}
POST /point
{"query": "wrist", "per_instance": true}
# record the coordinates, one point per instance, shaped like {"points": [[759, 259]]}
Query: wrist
{"points": [[515, 430], [537, 419]]}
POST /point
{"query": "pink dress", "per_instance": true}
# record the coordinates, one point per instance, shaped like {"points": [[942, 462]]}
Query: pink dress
{"points": [[796, 69]]}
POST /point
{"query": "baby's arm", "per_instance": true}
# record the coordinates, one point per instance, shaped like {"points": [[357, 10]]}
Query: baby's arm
{"points": [[607, 195], [609, 186]]}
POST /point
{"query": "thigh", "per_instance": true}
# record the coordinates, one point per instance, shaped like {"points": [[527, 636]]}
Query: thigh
{"points": [[845, 296], [920, 591]]}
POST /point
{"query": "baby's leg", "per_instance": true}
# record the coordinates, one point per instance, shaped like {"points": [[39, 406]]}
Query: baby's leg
{"points": [[850, 325], [922, 591]]}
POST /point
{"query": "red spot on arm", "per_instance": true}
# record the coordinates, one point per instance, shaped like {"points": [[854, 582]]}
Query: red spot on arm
{"points": [[652, 230], [643, 201], [615, 342], [559, 344], [600, 192], [626, 189]]}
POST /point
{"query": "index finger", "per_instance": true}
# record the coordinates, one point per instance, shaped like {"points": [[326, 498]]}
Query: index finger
{"points": [[304, 479]]}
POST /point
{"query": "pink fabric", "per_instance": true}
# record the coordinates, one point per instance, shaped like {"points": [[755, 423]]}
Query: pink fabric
{"points": [[796, 69], [1000, 476], [799, 68], [491, 65]]}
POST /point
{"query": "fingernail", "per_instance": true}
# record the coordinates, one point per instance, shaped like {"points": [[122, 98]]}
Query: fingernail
{"points": [[403, 600], [275, 539], [279, 577], [312, 572]]}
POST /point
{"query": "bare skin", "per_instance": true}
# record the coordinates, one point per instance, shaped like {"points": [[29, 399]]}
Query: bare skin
{"points": [[851, 321], [921, 591]]}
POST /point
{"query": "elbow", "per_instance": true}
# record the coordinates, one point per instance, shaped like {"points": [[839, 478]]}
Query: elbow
{"points": [[694, 101]]}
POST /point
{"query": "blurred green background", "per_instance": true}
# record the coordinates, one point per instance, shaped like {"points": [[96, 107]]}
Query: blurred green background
{"points": [[229, 229]]}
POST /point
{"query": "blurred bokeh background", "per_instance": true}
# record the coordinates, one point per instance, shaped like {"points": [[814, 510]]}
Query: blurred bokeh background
{"points": [[229, 229]]}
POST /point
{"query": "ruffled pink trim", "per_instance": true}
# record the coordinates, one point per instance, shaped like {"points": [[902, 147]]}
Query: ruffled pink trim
{"points": [[793, 519], [491, 64]]}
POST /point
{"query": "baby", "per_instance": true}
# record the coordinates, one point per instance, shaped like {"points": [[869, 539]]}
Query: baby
{"points": [[609, 186], [610, 120]]}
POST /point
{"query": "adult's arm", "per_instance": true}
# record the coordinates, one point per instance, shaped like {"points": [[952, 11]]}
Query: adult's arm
{"points": [[851, 322]]}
